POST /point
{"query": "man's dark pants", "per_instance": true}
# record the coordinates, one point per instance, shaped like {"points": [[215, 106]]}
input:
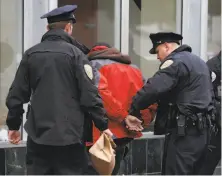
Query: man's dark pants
{"points": [[58, 160], [184, 155], [213, 155]]}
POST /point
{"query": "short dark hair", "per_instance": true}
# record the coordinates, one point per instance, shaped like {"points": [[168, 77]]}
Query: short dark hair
{"points": [[102, 44], [58, 25]]}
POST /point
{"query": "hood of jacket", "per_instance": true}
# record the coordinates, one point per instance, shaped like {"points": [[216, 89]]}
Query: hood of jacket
{"points": [[111, 54]]}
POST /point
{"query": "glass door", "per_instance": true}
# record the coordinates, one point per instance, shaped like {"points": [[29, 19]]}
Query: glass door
{"points": [[147, 17], [97, 21], [11, 46]]}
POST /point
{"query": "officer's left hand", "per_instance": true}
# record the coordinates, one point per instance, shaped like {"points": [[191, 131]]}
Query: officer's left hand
{"points": [[14, 136]]}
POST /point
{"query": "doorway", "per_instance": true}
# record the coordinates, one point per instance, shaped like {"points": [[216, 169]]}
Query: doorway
{"points": [[96, 21], [85, 30]]}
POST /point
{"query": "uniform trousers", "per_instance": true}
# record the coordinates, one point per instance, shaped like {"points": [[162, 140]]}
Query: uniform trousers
{"points": [[55, 160], [184, 155], [213, 155]]}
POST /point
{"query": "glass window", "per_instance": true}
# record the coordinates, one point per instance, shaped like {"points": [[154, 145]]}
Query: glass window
{"points": [[214, 28], [10, 48], [95, 21], [147, 17]]}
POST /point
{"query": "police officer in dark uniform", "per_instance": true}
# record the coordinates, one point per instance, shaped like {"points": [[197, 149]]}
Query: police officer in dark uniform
{"points": [[214, 149], [58, 81], [184, 79]]}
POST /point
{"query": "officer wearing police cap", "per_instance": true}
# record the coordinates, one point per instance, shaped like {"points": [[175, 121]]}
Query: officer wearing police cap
{"points": [[183, 81], [57, 79], [213, 155]]}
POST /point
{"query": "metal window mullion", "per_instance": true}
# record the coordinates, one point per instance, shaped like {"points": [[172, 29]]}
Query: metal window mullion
{"points": [[204, 29], [117, 23], [124, 26], [179, 9], [27, 38], [191, 24]]}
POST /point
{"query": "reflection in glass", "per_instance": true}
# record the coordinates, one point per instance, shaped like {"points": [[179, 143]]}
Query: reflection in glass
{"points": [[214, 28], [147, 17], [10, 47], [95, 21]]}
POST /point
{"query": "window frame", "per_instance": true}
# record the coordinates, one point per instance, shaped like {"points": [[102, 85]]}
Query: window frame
{"points": [[121, 27], [30, 37], [17, 58]]}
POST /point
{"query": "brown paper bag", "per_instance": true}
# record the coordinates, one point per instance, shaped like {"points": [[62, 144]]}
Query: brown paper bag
{"points": [[103, 155]]}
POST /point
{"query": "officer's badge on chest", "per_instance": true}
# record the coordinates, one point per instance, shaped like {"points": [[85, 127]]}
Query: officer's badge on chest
{"points": [[166, 64]]}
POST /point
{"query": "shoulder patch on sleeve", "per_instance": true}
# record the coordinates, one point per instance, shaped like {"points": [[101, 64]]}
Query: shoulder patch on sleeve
{"points": [[89, 71], [166, 64], [213, 76]]}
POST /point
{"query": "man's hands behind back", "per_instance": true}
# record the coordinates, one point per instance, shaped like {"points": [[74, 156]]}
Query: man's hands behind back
{"points": [[133, 123]]}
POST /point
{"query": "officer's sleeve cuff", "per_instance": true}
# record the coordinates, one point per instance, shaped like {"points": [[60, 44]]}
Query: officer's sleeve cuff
{"points": [[123, 116], [103, 125], [13, 127], [134, 112], [13, 123]]}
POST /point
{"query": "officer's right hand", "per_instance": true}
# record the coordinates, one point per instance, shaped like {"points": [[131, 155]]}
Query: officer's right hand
{"points": [[108, 132], [133, 123], [14, 136]]}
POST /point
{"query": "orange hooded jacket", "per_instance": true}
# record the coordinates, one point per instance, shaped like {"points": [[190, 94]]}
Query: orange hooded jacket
{"points": [[118, 81]]}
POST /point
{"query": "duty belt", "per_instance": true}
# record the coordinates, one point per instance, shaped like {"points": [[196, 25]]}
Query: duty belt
{"points": [[182, 122]]}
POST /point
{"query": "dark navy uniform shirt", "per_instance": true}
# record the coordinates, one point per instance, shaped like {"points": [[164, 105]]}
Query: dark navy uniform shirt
{"points": [[184, 79], [57, 79]]}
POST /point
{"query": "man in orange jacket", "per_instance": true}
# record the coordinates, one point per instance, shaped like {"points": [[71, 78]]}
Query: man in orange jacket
{"points": [[118, 81]]}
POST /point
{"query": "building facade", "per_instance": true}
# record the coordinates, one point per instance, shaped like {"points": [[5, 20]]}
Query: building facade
{"points": [[124, 24]]}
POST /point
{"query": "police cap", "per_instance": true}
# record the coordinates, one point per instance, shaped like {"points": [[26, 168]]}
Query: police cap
{"points": [[163, 37], [64, 13]]}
